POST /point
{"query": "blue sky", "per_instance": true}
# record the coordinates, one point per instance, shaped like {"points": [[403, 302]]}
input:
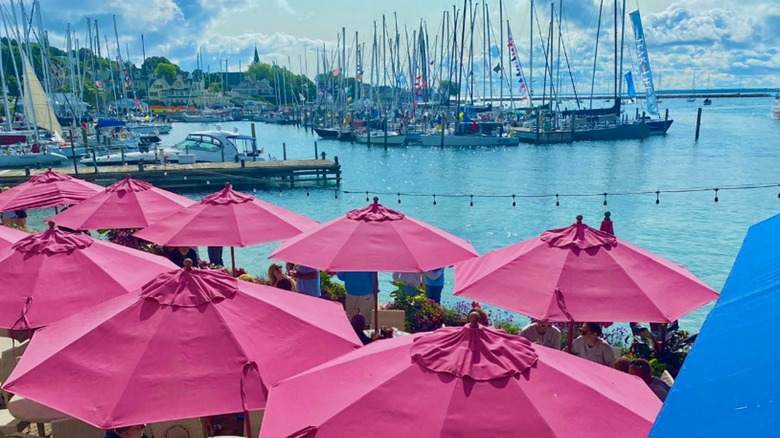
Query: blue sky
{"points": [[724, 43]]}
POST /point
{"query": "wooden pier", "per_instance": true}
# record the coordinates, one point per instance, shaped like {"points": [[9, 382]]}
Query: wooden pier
{"points": [[203, 176]]}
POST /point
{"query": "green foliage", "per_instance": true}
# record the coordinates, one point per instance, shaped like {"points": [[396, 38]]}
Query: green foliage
{"points": [[453, 88], [669, 356], [151, 63], [167, 71], [215, 87], [331, 290], [422, 313]]}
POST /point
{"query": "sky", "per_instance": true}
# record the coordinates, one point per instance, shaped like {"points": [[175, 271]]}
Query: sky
{"points": [[724, 44]]}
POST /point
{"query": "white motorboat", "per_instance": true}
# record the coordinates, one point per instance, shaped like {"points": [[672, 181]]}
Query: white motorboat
{"points": [[203, 146], [146, 128], [394, 138], [22, 156], [776, 107]]}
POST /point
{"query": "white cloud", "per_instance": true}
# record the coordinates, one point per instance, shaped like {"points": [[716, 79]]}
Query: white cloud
{"points": [[152, 15]]}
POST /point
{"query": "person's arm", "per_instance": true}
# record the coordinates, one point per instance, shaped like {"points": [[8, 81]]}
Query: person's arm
{"points": [[609, 354], [310, 275]]}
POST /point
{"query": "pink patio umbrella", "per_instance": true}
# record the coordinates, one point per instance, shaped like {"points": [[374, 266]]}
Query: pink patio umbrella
{"points": [[8, 236], [471, 381], [53, 274], [579, 273], [189, 343], [48, 189], [374, 238], [226, 218], [128, 203]]}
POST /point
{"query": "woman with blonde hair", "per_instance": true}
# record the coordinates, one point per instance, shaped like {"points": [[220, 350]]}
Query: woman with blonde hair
{"points": [[278, 279]]}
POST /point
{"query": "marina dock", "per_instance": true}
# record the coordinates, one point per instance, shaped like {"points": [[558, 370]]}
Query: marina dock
{"points": [[203, 176]]}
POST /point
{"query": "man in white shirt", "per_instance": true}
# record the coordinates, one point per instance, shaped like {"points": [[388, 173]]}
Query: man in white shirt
{"points": [[590, 345], [544, 333], [411, 281]]}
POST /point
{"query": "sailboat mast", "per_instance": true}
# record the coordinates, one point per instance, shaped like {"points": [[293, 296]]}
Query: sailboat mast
{"points": [[615, 8], [501, 48], [596, 54], [8, 120], [121, 71], [460, 60], [530, 59], [25, 61]]}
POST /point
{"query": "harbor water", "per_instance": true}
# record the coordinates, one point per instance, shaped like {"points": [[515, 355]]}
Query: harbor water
{"points": [[739, 145]]}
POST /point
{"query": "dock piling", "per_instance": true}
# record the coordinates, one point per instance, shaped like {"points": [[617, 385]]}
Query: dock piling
{"points": [[284, 151], [26, 170], [316, 155], [698, 124]]}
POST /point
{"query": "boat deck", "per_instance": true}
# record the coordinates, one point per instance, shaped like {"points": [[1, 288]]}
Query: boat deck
{"points": [[203, 176]]}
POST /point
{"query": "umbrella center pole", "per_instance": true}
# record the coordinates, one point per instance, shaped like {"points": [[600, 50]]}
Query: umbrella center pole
{"points": [[376, 305], [233, 260]]}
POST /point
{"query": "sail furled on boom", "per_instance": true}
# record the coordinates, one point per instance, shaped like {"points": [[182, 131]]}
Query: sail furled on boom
{"points": [[644, 63]]}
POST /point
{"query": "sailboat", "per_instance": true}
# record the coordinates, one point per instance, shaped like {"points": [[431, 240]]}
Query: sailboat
{"points": [[38, 110], [692, 98], [776, 107], [707, 100]]}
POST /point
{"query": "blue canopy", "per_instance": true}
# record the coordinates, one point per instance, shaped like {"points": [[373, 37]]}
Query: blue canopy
{"points": [[109, 123], [728, 385]]}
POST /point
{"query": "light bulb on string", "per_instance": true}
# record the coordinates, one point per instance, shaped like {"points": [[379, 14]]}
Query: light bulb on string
{"points": [[434, 198], [557, 202], [716, 196], [514, 202], [658, 200], [605, 199], [399, 197], [367, 200], [471, 202]]}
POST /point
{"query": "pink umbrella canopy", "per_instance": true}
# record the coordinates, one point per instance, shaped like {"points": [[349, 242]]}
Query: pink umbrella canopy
{"points": [[578, 273], [54, 274], [9, 236], [190, 343], [128, 203], [48, 189], [226, 218], [375, 238], [460, 382]]}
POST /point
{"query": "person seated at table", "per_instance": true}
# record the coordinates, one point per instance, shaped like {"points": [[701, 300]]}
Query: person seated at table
{"points": [[542, 332], [278, 279], [642, 369], [136, 431], [590, 345], [359, 325], [622, 364], [178, 254]]}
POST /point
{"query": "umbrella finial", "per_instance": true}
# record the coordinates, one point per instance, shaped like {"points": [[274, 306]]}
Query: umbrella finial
{"points": [[227, 185], [51, 225], [474, 318], [376, 200], [127, 175], [607, 215], [188, 264], [579, 218]]}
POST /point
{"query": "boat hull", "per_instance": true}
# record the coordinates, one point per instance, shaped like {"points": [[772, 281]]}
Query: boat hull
{"points": [[467, 140], [379, 139], [327, 133], [24, 160]]}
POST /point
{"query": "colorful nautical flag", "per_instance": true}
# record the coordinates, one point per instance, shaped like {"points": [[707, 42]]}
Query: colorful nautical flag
{"points": [[516, 62]]}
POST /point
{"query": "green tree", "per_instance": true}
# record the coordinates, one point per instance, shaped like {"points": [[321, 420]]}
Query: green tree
{"points": [[150, 64], [167, 71], [215, 87], [452, 87]]}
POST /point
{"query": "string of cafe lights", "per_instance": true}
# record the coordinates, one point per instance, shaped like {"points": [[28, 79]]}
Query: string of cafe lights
{"points": [[516, 197]]}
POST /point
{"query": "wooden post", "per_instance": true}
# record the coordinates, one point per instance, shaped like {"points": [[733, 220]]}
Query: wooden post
{"points": [[698, 124], [385, 123], [73, 152], [316, 153], [338, 169], [284, 151], [369, 132], [292, 179], [122, 149], [253, 130], [94, 160]]}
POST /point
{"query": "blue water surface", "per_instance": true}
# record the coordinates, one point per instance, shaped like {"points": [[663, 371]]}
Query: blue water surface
{"points": [[739, 145]]}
